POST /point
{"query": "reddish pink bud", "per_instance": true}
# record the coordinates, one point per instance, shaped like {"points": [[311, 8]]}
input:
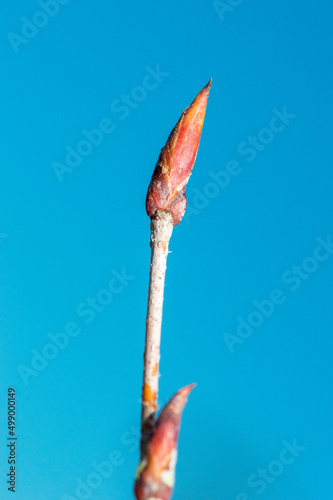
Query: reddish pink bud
{"points": [[155, 475], [167, 187]]}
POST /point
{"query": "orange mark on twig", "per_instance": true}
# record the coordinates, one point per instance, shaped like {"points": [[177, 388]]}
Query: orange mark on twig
{"points": [[149, 396], [154, 370], [162, 244]]}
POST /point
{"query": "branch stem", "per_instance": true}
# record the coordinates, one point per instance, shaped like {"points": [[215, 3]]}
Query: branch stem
{"points": [[161, 230]]}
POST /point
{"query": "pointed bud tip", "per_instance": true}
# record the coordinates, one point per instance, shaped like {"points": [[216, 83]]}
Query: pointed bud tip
{"points": [[185, 391], [208, 86], [204, 92]]}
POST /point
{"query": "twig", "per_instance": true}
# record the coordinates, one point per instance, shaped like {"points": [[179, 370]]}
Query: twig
{"points": [[161, 230]]}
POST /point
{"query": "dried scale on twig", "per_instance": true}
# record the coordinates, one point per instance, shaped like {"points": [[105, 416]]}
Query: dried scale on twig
{"points": [[165, 205]]}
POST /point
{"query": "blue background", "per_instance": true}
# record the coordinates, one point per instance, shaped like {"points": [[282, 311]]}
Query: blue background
{"points": [[62, 238]]}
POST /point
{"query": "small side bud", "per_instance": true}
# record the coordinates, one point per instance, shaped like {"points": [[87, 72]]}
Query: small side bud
{"points": [[155, 477]]}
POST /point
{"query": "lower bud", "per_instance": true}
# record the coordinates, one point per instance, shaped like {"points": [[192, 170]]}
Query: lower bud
{"points": [[155, 476]]}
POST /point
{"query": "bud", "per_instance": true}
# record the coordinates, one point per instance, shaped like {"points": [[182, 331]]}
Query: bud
{"points": [[167, 187], [155, 475]]}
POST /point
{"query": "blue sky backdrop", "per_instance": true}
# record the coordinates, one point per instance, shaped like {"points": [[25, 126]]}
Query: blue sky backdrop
{"points": [[89, 94]]}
